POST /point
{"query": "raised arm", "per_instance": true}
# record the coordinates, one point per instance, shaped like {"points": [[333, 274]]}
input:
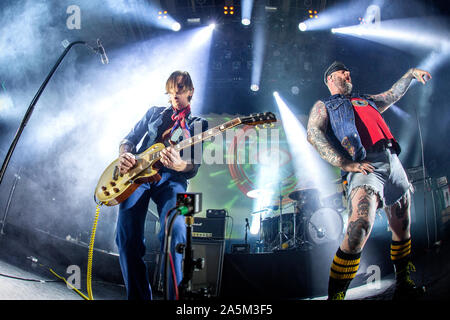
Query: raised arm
{"points": [[386, 99], [316, 135]]}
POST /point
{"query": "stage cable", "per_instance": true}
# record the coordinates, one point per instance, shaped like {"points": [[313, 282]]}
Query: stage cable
{"points": [[424, 193], [91, 251], [168, 259], [90, 259]]}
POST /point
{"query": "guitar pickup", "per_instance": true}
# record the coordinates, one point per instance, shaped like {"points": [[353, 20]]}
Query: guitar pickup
{"points": [[116, 173]]}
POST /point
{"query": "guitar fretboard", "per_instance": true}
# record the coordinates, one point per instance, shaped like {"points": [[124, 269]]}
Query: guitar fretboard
{"points": [[200, 137]]}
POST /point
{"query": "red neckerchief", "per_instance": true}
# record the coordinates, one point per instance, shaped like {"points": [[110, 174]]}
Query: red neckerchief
{"points": [[180, 120]]}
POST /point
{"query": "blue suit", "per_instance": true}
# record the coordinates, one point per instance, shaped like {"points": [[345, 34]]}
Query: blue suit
{"points": [[133, 211]]}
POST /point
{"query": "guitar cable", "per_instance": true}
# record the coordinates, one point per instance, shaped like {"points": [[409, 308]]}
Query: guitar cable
{"points": [[90, 259], [168, 254], [91, 252]]}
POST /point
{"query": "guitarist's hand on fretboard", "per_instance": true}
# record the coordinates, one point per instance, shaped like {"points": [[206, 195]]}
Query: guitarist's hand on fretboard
{"points": [[126, 162], [171, 159], [113, 188]]}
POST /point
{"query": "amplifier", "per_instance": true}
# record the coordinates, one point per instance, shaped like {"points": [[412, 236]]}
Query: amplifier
{"points": [[216, 213], [208, 228], [210, 277]]}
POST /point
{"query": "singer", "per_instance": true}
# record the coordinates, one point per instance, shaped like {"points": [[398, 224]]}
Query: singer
{"points": [[168, 125], [349, 132]]}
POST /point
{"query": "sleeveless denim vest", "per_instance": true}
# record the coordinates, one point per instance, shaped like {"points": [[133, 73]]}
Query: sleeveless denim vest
{"points": [[342, 121]]}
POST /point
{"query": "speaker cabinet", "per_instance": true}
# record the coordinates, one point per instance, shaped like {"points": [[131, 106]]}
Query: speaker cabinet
{"points": [[210, 277], [425, 222]]}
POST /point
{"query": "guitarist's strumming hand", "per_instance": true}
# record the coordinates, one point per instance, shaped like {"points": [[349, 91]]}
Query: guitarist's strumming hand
{"points": [[126, 162], [171, 159]]}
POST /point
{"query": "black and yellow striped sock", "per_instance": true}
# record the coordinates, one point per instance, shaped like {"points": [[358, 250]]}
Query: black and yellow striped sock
{"points": [[343, 270], [401, 256]]}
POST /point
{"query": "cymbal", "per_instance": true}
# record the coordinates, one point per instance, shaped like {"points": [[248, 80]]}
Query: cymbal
{"points": [[300, 194], [258, 193]]}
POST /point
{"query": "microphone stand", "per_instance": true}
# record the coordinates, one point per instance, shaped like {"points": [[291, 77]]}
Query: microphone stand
{"points": [[246, 229], [33, 103]]}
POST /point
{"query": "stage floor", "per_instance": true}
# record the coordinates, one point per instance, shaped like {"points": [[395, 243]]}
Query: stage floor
{"points": [[23, 279]]}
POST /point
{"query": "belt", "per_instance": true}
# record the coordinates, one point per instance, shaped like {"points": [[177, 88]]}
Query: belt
{"points": [[381, 146]]}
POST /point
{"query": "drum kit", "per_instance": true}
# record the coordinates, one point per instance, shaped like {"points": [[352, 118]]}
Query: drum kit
{"points": [[313, 221]]}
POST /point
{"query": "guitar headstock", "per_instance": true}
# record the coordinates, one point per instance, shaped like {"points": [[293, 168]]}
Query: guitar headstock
{"points": [[258, 118]]}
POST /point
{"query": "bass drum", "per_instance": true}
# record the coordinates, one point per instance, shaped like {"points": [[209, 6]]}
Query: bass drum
{"points": [[325, 226]]}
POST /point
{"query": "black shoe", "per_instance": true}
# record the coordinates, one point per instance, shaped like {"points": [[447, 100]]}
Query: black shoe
{"points": [[408, 291], [405, 288], [337, 296]]}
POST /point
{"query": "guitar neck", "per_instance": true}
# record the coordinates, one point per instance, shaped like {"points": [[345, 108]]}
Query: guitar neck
{"points": [[201, 136]]}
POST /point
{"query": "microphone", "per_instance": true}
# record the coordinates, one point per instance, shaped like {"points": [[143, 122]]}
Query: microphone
{"points": [[246, 223], [100, 50]]}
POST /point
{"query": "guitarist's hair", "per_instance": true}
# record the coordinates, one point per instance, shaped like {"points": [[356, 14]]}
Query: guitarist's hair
{"points": [[186, 81]]}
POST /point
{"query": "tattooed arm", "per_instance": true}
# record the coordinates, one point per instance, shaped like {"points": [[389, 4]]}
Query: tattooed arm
{"points": [[316, 135], [386, 99]]}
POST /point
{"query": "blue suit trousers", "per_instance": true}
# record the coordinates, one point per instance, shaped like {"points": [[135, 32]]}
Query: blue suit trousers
{"points": [[130, 233]]}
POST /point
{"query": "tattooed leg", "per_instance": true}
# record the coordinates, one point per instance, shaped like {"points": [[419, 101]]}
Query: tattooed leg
{"points": [[399, 217], [363, 202]]}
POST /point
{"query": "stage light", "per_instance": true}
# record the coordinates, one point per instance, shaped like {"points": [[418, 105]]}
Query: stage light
{"points": [[340, 14], [162, 20], [193, 21], [302, 26], [312, 14], [212, 26], [404, 34], [162, 14], [254, 87], [176, 26], [257, 55], [228, 10], [246, 12], [245, 22]]}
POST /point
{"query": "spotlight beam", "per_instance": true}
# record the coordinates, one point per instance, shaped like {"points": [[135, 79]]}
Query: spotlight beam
{"points": [[402, 34], [246, 12], [309, 167], [259, 39]]}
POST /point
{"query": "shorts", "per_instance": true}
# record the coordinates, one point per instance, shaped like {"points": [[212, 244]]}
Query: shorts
{"points": [[388, 180]]}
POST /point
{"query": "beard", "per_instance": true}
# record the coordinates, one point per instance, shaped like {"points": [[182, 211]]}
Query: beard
{"points": [[344, 86]]}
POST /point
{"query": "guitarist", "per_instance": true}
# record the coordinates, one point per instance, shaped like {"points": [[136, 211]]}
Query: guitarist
{"points": [[168, 125]]}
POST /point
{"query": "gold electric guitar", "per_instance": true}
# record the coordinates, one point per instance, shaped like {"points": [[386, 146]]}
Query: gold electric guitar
{"points": [[114, 187]]}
